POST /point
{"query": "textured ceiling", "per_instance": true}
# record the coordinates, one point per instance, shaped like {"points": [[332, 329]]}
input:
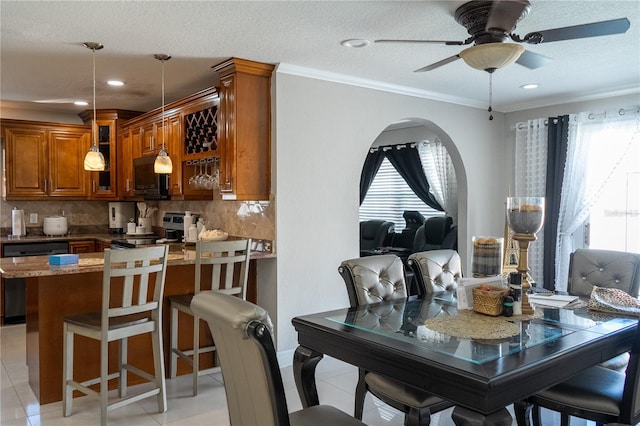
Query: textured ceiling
{"points": [[42, 57]]}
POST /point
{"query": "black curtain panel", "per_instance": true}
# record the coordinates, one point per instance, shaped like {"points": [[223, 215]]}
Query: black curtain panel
{"points": [[557, 141], [371, 165], [407, 162]]}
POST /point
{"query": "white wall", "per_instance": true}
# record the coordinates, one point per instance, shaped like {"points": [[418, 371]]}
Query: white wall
{"points": [[323, 131]]}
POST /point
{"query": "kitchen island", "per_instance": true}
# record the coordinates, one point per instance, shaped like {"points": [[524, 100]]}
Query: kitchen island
{"points": [[54, 292]]}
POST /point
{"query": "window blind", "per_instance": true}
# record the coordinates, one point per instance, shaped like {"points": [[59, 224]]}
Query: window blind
{"points": [[389, 196]]}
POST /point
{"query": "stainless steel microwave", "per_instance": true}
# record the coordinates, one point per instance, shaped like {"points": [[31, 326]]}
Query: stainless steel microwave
{"points": [[147, 183]]}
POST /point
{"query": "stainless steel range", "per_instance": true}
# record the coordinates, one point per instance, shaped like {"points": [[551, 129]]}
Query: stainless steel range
{"points": [[133, 242]]}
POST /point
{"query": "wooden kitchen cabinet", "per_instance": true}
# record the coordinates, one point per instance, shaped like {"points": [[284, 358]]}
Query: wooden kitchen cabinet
{"points": [[82, 246], [100, 246], [104, 184], [244, 129], [45, 160]]}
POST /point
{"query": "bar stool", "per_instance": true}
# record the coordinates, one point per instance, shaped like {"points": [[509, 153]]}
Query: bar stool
{"points": [[136, 310], [230, 265]]}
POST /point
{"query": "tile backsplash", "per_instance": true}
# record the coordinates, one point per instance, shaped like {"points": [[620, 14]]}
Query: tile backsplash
{"points": [[235, 217]]}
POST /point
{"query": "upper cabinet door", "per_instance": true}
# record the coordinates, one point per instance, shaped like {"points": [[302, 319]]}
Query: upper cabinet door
{"points": [[244, 129], [67, 149], [27, 157]]}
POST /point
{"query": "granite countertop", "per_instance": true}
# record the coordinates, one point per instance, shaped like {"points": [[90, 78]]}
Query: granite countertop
{"points": [[38, 266], [105, 238]]}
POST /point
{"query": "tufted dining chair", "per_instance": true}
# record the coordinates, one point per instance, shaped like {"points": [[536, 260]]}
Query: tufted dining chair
{"points": [[375, 279], [603, 268], [436, 271], [252, 378]]}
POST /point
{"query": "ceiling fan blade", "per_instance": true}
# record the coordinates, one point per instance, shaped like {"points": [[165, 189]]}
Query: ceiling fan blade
{"points": [[445, 42], [438, 64], [505, 14], [532, 60], [594, 29]]}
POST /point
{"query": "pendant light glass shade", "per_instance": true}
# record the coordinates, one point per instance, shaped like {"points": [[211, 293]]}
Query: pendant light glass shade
{"points": [[94, 160], [491, 56], [163, 161]]}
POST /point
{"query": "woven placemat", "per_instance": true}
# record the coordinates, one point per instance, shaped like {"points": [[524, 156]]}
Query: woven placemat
{"points": [[472, 325]]}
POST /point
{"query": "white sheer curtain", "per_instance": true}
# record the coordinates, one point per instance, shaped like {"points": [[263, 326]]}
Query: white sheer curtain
{"points": [[531, 178], [596, 147], [438, 168]]}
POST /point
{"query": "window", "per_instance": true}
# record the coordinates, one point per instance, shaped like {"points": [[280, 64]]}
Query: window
{"points": [[614, 221], [389, 196]]}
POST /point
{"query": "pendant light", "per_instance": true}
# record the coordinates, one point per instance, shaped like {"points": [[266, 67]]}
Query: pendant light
{"points": [[94, 160], [163, 162]]}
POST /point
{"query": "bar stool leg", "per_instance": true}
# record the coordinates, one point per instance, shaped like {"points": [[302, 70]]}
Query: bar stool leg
{"points": [[158, 365], [196, 353], [173, 357], [122, 360], [67, 370]]}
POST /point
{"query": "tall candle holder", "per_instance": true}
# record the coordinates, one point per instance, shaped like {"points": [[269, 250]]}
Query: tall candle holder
{"points": [[525, 216]]}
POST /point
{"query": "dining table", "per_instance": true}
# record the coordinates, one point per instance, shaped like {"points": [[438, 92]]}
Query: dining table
{"points": [[480, 363]]}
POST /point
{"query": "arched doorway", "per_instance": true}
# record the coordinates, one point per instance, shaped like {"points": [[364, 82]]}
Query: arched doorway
{"points": [[414, 130]]}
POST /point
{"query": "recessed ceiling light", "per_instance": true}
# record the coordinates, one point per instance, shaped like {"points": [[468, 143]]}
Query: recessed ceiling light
{"points": [[115, 83], [356, 43], [81, 103], [529, 86]]}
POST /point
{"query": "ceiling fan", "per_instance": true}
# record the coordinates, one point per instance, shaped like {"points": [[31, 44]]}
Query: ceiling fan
{"points": [[491, 23]]}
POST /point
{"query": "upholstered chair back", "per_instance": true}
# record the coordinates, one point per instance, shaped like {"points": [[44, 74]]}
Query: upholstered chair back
{"points": [[373, 279], [603, 268], [252, 380], [431, 234], [375, 233], [436, 270]]}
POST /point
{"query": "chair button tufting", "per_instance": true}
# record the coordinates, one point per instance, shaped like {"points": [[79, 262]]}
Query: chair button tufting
{"points": [[584, 278], [601, 269]]}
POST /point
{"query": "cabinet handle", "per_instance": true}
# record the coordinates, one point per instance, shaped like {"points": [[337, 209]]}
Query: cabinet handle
{"points": [[93, 186], [45, 185], [127, 186], [153, 143]]}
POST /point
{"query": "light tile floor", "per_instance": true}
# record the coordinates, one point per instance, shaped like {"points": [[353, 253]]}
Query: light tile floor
{"points": [[336, 383]]}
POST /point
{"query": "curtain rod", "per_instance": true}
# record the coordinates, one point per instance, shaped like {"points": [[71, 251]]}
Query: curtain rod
{"points": [[621, 111], [591, 116], [396, 146]]}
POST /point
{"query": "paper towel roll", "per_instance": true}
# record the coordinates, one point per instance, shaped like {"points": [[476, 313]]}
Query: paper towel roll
{"points": [[188, 221], [17, 222]]}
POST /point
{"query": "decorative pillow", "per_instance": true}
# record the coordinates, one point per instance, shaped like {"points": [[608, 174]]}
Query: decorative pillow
{"points": [[613, 300]]}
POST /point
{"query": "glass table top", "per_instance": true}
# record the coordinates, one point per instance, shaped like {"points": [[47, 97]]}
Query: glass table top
{"points": [[405, 321]]}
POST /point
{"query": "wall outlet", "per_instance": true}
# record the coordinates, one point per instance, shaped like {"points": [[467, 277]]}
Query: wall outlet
{"points": [[33, 218]]}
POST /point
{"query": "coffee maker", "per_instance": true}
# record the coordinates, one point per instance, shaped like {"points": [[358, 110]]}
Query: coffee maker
{"points": [[119, 215]]}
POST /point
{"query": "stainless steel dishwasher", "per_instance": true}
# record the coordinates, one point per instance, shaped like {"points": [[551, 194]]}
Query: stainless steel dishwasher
{"points": [[13, 297]]}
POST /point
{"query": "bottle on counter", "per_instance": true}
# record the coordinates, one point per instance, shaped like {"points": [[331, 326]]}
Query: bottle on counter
{"points": [[193, 233], [188, 221]]}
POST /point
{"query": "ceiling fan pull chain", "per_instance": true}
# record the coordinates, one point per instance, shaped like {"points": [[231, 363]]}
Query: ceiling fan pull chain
{"points": [[490, 96]]}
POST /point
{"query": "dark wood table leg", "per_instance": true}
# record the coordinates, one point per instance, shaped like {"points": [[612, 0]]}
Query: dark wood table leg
{"points": [[304, 373], [464, 417]]}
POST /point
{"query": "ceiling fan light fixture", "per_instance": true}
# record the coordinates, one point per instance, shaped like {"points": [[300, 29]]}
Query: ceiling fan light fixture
{"points": [[491, 56]]}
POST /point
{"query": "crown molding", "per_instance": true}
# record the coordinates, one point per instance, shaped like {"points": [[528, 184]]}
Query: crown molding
{"points": [[285, 68]]}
